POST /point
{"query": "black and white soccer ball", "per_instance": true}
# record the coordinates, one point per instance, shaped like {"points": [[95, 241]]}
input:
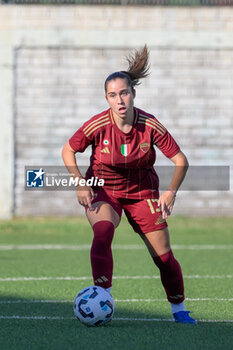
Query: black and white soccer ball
{"points": [[94, 306]]}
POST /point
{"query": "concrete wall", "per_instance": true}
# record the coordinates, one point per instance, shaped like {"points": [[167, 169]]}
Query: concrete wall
{"points": [[49, 56]]}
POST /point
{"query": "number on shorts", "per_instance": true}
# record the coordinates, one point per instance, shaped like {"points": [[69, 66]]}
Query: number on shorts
{"points": [[149, 201]]}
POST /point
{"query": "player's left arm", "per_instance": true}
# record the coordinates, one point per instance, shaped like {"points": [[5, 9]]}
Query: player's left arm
{"points": [[167, 199]]}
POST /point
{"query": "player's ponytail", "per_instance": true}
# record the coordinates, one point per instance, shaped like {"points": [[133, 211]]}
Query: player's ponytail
{"points": [[138, 68], [138, 65]]}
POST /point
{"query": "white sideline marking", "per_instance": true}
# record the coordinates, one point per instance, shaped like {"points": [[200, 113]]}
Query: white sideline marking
{"points": [[159, 300], [60, 318], [115, 246], [51, 301], [16, 317], [84, 278]]}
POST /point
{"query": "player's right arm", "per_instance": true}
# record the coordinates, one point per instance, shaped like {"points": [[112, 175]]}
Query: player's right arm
{"points": [[85, 194]]}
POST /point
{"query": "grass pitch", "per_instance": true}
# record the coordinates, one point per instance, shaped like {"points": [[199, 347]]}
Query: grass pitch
{"points": [[44, 262]]}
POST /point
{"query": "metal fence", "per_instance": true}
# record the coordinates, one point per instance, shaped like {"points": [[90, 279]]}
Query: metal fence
{"points": [[125, 2]]}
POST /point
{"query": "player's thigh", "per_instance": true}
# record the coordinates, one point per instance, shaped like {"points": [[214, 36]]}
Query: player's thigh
{"points": [[146, 219], [157, 242], [144, 215], [102, 211]]}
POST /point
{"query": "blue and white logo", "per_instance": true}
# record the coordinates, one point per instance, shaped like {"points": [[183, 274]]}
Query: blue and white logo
{"points": [[35, 178]]}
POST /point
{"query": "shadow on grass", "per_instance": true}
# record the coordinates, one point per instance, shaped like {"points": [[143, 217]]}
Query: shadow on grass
{"points": [[64, 332]]}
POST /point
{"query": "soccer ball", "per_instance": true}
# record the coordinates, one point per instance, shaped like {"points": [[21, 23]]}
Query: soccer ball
{"points": [[94, 306]]}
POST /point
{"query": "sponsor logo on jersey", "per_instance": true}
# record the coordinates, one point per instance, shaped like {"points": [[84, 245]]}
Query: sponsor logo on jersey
{"points": [[105, 150], [105, 142], [144, 147], [125, 149]]}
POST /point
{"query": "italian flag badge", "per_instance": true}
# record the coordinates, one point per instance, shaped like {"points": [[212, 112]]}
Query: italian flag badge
{"points": [[125, 149]]}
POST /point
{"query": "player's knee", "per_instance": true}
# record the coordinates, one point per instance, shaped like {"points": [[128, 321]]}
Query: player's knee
{"points": [[166, 261], [167, 258], [103, 234]]}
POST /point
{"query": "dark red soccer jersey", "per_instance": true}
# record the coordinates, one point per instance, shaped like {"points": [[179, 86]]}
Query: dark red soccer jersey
{"points": [[125, 160]]}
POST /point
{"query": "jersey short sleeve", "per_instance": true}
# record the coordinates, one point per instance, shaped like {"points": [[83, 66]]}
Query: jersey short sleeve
{"points": [[165, 142], [80, 141]]}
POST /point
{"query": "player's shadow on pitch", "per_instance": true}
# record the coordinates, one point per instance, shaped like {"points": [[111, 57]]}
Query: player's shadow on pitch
{"points": [[49, 325]]}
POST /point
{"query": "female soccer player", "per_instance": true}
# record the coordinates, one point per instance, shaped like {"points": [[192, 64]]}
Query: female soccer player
{"points": [[123, 139]]}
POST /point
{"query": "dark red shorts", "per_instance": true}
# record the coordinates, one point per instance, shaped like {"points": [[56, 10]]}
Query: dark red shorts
{"points": [[143, 215]]}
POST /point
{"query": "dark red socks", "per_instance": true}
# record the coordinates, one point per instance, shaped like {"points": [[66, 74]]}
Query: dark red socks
{"points": [[101, 253], [102, 263], [171, 277]]}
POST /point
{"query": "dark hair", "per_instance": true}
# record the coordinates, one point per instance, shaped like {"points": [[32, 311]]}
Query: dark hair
{"points": [[138, 68]]}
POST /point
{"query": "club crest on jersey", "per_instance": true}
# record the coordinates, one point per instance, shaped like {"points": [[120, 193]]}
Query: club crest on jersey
{"points": [[125, 149], [144, 147]]}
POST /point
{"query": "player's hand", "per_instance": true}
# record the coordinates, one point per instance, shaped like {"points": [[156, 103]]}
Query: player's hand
{"points": [[85, 195], [166, 202]]}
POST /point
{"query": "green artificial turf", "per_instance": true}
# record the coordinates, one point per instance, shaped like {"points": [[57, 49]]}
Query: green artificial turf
{"points": [[36, 310]]}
